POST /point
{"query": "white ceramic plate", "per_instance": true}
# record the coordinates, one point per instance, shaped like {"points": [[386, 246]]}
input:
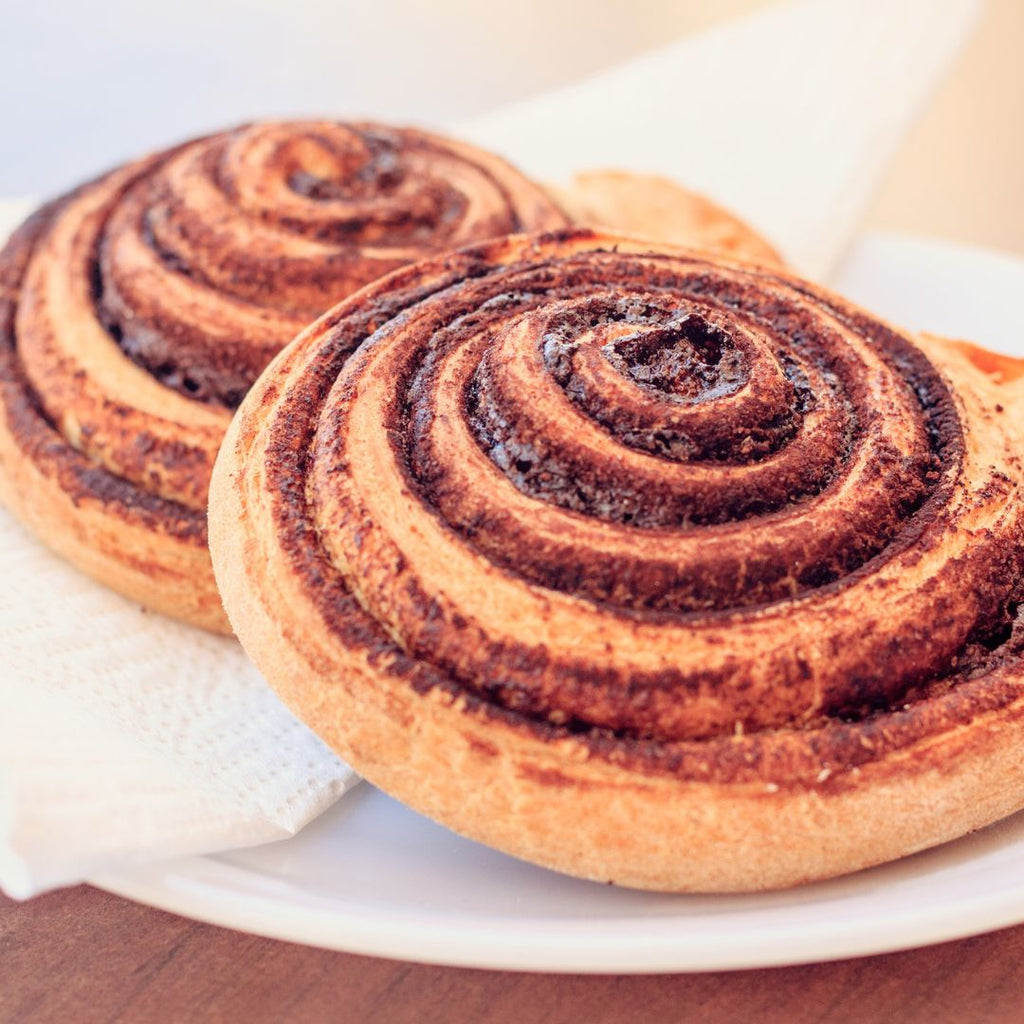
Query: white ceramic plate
{"points": [[372, 877]]}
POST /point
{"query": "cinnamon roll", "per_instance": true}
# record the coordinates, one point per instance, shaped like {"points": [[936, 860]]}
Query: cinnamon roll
{"points": [[659, 570], [137, 311], [659, 210]]}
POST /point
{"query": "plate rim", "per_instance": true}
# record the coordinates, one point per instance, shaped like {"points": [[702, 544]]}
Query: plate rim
{"points": [[449, 946]]}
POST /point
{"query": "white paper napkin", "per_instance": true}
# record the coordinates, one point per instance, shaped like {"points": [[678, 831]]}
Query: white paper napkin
{"points": [[787, 117], [125, 737]]}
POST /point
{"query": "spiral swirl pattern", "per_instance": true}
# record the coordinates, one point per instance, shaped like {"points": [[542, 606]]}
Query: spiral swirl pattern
{"points": [[693, 521], [139, 310]]}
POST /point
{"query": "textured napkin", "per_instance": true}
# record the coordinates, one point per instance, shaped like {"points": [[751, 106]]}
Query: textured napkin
{"points": [[125, 737]]}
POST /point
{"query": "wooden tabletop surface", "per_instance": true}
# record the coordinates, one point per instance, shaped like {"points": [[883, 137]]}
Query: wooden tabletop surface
{"points": [[83, 955]]}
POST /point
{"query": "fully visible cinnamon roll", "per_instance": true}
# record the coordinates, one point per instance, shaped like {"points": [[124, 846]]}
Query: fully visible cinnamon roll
{"points": [[674, 573], [136, 312]]}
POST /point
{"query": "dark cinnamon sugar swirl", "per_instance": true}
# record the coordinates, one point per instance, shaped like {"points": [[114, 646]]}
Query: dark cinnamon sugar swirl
{"points": [[676, 573], [136, 312]]}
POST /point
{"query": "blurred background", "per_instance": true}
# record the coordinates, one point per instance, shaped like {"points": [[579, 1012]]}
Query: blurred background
{"points": [[87, 85]]}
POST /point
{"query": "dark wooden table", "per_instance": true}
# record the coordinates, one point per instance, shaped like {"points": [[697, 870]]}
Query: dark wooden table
{"points": [[81, 955]]}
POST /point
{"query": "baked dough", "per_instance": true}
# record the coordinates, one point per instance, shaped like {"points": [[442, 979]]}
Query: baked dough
{"points": [[654, 208], [666, 571], [136, 312]]}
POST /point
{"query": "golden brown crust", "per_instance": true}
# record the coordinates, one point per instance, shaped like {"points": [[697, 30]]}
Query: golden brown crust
{"points": [[654, 208], [138, 310], [793, 651]]}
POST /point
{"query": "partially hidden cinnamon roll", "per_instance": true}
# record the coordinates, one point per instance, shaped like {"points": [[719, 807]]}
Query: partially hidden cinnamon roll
{"points": [[658, 210], [676, 573], [136, 312]]}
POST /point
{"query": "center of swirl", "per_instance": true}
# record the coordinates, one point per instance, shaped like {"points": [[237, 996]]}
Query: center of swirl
{"points": [[687, 359], [582, 402], [677, 380]]}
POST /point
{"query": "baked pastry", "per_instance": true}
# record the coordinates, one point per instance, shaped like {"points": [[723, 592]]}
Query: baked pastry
{"points": [[136, 312], [675, 573], [659, 210]]}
